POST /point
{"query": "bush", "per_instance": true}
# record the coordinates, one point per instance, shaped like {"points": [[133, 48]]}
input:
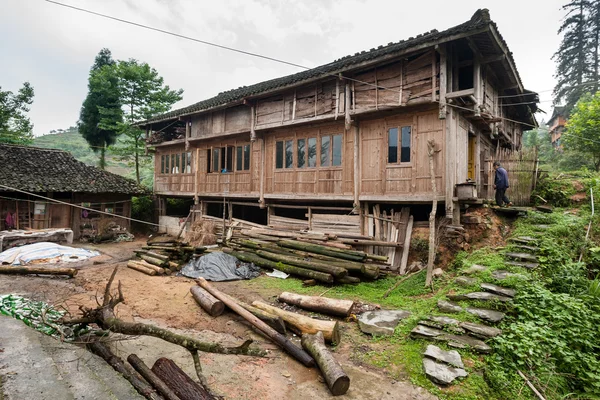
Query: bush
{"points": [[142, 208]]}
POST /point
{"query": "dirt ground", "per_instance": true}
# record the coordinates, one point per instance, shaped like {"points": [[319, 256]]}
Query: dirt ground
{"points": [[166, 301]]}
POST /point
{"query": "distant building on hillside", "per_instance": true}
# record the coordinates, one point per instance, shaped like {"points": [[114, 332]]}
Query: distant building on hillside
{"points": [[557, 126]]}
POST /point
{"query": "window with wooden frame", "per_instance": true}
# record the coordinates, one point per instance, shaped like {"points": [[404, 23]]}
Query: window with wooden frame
{"points": [[242, 158], [162, 164], [220, 159], [331, 150], [399, 144], [284, 154]]}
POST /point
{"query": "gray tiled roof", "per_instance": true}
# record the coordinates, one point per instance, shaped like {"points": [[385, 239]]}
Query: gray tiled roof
{"points": [[34, 169], [480, 20]]}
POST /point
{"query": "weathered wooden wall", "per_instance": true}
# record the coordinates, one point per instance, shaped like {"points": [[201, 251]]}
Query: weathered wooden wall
{"points": [[181, 181]]}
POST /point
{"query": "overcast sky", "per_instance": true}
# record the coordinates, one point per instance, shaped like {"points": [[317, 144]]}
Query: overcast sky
{"points": [[53, 47]]}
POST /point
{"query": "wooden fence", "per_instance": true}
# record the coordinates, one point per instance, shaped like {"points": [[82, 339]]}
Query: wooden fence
{"points": [[522, 171]]}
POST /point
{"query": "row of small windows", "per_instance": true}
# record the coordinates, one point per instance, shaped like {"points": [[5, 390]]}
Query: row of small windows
{"points": [[220, 159], [306, 152], [178, 163]]}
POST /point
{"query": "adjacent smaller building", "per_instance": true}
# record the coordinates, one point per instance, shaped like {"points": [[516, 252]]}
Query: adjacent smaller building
{"points": [[557, 126], [56, 174]]}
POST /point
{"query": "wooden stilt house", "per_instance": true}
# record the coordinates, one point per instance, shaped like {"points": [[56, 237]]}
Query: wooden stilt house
{"points": [[353, 133]]}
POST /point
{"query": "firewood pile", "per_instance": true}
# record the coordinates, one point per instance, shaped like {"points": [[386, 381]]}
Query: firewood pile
{"points": [[315, 256], [163, 255]]}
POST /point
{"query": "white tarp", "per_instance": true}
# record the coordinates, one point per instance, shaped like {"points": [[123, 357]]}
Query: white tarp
{"points": [[50, 252]]}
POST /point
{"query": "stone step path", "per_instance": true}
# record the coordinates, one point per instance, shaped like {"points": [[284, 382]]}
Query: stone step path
{"points": [[523, 239], [481, 296], [499, 290], [533, 249], [478, 330], [484, 314], [456, 341], [522, 256], [528, 265], [443, 367], [501, 274]]}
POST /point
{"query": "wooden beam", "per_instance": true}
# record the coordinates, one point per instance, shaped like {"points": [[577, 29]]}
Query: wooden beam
{"points": [[356, 164], [188, 130], [252, 123], [490, 59], [348, 121], [196, 172], [443, 80], [337, 98], [262, 172], [477, 85], [401, 81], [433, 75], [460, 93]]}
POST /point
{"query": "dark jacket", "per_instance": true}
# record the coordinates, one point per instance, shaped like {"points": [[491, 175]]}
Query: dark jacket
{"points": [[501, 179]]}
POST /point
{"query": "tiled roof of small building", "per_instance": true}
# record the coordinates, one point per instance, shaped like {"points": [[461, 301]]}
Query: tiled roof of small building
{"points": [[34, 169], [480, 20]]}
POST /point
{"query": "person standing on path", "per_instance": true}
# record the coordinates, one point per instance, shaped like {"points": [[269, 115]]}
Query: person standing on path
{"points": [[501, 184]]}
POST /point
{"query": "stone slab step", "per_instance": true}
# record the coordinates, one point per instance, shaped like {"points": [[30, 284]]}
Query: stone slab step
{"points": [[455, 326], [528, 265], [499, 290], [501, 274], [522, 256], [442, 374], [457, 341], [451, 357], [532, 249], [473, 269], [465, 281], [523, 239], [485, 314], [381, 322], [481, 296]]}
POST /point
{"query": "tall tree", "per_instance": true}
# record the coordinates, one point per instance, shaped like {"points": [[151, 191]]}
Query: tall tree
{"points": [[573, 59], [101, 110], [594, 27], [583, 128], [15, 126], [143, 95]]}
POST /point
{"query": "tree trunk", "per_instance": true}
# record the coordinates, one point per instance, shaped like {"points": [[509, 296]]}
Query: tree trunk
{"points": [[23, 270], [137, 163], [278, 338], [303, 323], [141, 268], [431, 255], [337, 272], [179, 382], [103, 158], [336, 378], [289, 269], [207, 301], [151, 377], [273, 321], [351, 255], [136, 381], [323, 305]]}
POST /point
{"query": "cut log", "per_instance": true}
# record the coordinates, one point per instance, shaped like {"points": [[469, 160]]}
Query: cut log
{"points": [[323, 305], [273, 321], [348, 280], [336, 271], [142, 263], [143, 387], [309, 282], [157, 256], [336, 378], [371, 271], [152, 260], [351, 255], [179, 382], [289, 269], [22, 270], [278, 338], [151, 377], [381, 243], [141, 268], [207, 301], [332, 244], [303, 323]]}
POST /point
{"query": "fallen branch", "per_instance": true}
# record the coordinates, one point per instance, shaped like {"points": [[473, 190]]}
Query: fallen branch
{"points": [[537, 393]]}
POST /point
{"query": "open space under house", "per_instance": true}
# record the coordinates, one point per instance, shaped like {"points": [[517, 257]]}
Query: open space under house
{"points": [[350, 137]]}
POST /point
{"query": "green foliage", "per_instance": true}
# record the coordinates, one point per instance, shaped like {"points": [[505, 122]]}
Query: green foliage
{"points": [[144, 95], [583, 128], [575, 69], [15, 127], [142, 208], [101, 110]]}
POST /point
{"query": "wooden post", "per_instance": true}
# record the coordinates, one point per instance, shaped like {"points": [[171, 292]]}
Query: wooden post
{"points": [[252, 124], [188, 131], [196, 172], [443, 80], [433, 75], [262, 172], [348, 121], [356, 162], [406, 247], [430, 153], [401, 82], [477, 84]]}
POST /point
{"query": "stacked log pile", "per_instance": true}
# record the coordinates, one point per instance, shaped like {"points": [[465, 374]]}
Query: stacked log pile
{"points": [[322, 257], [163, 256]]}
